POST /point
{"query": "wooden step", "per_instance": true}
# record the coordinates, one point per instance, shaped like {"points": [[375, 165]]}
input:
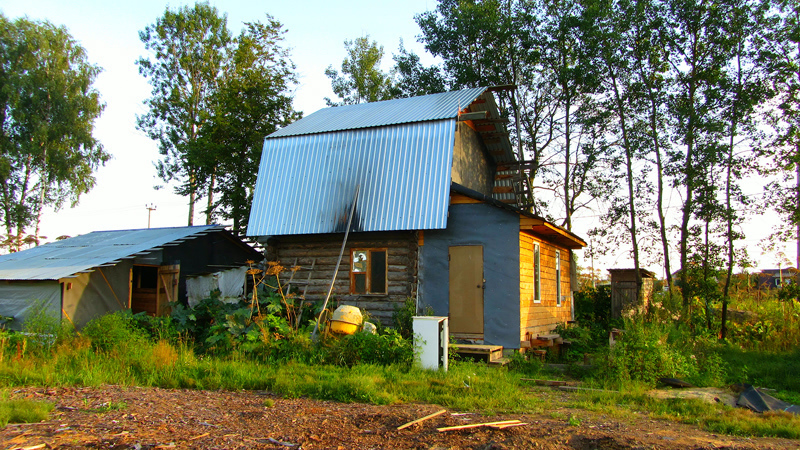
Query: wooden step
{"points": [[492, 352], [500, 361]]}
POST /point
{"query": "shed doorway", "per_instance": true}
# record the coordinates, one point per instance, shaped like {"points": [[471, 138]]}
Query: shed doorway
{"points": [[466, 291], [153, 288]]}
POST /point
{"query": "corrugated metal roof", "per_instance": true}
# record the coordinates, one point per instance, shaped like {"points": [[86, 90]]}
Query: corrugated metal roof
{"points": [[306, 183], [390, 112], [65, 258]]}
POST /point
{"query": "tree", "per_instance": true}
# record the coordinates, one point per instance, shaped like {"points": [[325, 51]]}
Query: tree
{"points": [[189, 50], [414, 79], [252, 101], [781, 57], [361, 80], [47, 112]]}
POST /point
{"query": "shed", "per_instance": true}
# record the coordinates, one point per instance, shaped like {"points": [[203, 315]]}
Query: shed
{"points": [[436, 217], [623, 291], [80, 278]]}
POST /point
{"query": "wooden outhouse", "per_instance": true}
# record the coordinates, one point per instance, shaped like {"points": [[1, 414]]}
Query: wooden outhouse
{"points": [[433, 186], [624, 301]]}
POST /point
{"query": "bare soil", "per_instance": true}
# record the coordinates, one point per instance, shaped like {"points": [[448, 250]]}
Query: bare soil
{"points": [[115, 417]]}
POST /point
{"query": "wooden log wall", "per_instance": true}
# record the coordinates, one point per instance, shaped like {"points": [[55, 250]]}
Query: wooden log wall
{"points": [[402, 252], [542, 318]]}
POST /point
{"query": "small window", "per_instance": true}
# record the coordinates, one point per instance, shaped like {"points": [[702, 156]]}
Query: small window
{"points": [[558, 278], [368, 271], [537, 278]]}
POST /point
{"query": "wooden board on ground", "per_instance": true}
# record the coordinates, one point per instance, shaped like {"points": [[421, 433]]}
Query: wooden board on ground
{"points": [[422, 419], [498, 425]]}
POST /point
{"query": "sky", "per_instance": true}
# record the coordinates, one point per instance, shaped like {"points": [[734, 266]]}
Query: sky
{"points": [[316, 31]]}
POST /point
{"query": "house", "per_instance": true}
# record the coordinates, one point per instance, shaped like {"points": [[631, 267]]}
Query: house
{"points": [[83, 277], [435, 216], [775, 278]]}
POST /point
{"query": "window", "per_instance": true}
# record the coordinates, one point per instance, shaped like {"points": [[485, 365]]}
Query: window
{"points": [[537, 278], [558, 278], [368, 271]]}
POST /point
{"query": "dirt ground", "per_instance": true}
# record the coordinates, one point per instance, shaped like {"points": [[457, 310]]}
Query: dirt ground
{"points": [[116, 417]]}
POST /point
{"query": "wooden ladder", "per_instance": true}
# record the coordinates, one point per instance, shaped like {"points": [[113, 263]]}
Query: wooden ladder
{"points": [[305, 283]]}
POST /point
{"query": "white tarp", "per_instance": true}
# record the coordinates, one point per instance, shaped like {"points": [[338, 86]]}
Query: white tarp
{"points": [[20, 299], [229, 284]]}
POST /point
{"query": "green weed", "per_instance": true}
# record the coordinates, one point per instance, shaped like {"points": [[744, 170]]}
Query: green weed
{"points": [[22, 411]]}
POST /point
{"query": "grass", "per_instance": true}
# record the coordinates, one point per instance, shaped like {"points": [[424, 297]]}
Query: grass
{"points": [[127, 358], [22, 411], [773, 370]]}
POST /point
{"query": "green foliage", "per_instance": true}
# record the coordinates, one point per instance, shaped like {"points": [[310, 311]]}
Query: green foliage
{"points": [[362, 79], [213, 100], [386, 348], [525, 364], [47, 152], [403, 317], [115, 332], [646, 352], [22, 411]]}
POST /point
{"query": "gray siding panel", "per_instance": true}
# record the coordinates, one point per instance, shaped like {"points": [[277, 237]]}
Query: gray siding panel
{"points": [[497, 231], [306, 183]]}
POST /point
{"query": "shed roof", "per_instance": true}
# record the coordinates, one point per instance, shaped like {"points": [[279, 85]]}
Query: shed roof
{"points": [[445, 105], [399, 152], [71, 256]]}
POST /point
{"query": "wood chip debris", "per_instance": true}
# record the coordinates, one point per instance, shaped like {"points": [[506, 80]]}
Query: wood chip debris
{"points": [[496, 425], [422, 419], [35, 447], [199, 436]]}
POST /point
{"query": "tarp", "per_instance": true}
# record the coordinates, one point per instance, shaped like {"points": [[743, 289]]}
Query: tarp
{"points": [[91, 295], [758, 401], [20, 299], [229, 283]]}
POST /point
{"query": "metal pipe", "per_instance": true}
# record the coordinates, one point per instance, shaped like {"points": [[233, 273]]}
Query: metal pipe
{"points": [[336, 270]]}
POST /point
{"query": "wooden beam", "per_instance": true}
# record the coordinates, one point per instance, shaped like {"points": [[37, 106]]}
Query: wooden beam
{"points": [[494, 120], [422, 419], [501, 424], [502, 87], [458, 199], [529, 221], [473, 115]]}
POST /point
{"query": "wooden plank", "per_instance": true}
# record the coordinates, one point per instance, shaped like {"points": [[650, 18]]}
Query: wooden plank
{"points": [[503, 189], [478, 425], [473, 116], [422, 419]]}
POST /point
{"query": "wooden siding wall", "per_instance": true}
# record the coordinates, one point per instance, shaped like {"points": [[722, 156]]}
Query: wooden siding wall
{"points": [[542, 318], [402, 250], [471, 166]]}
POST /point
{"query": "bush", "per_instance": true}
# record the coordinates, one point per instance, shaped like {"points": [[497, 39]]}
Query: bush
{"points": [[646, 352], [366, 348], [114, 331]]}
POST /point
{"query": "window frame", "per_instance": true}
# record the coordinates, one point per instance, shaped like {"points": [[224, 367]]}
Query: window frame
{"points": [[537, 273], [369, 271], [558, 278]]}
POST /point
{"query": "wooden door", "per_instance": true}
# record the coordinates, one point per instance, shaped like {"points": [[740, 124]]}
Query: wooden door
{"points": [[167, 291], [466, 290]]}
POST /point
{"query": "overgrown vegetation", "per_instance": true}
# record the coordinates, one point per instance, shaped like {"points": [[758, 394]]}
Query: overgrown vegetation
{"points": [[259, 345]]}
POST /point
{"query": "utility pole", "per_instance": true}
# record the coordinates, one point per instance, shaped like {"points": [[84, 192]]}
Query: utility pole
{"points": [[150, 208]]}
